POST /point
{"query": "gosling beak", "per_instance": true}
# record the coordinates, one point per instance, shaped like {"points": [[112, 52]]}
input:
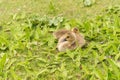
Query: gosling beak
{"points": [[64, 40]]}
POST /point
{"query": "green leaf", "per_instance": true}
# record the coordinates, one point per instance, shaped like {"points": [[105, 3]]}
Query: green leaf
{"points": [[2, 62], [115, 68], [99, 74]]}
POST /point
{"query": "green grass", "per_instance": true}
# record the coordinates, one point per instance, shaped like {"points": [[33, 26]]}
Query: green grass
{"points": [[27, 46], [67, 8]]}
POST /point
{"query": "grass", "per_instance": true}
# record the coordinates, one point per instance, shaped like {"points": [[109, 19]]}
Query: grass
{"points": [[70, 9], [27, 48]]}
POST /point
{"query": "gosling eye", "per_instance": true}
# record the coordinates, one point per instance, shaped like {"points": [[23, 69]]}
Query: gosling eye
{"points": [[68, 37]]}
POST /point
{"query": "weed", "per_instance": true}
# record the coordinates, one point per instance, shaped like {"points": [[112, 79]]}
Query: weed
{"points": [[28, 49]]}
